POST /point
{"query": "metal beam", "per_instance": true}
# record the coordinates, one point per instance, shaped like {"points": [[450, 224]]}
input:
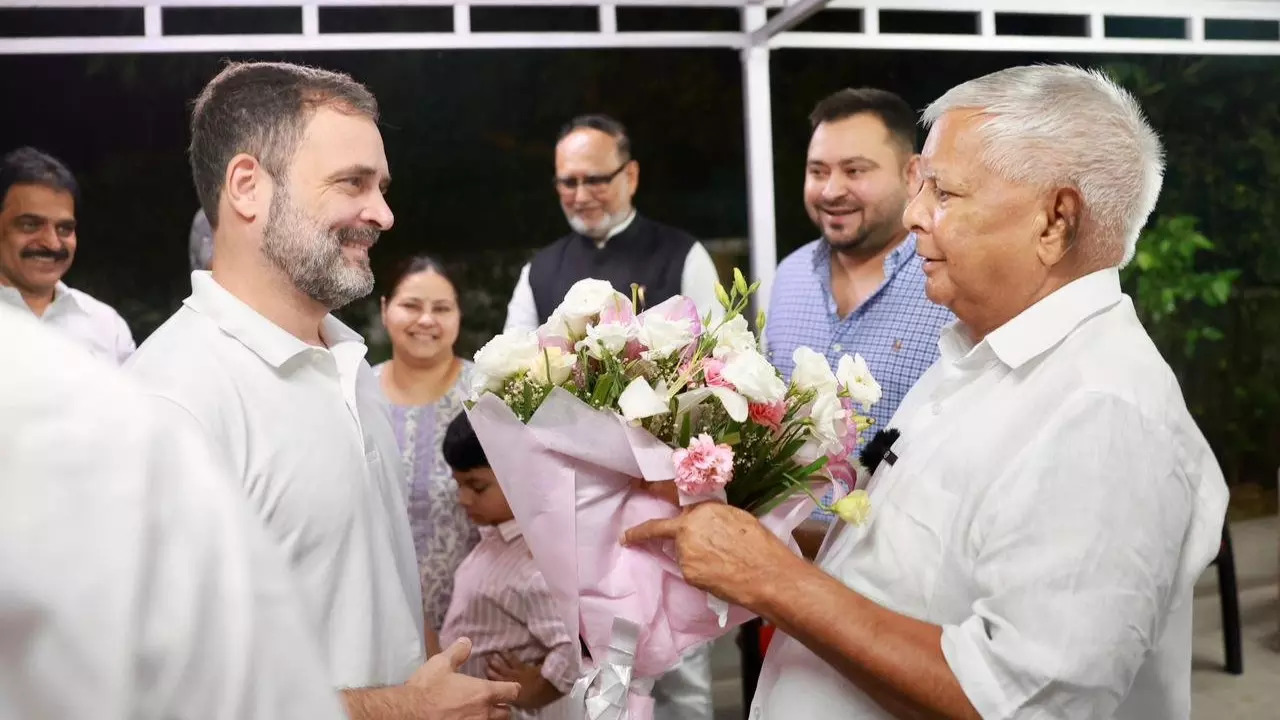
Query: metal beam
{"points": [[734, 4], [758, 117], [1218, 9], [296, 42], [1020, 43], [791, 16]]}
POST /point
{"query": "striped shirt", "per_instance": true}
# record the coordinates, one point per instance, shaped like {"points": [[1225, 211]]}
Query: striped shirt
{"points": [[501, 603], [896, 329]]}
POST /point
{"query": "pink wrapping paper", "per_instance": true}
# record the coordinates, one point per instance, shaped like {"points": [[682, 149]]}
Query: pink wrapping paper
{"points": [[569, 478]]}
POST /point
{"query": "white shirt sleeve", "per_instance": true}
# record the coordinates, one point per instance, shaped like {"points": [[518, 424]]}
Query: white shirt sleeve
{"points": [[522, 311], [1078, 564], [138, 581], [125, 345], [698, 281]]}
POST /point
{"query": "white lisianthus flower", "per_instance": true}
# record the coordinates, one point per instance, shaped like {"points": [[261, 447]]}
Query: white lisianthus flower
{"points": [[856, 378], [555, 332], [640, 400], [734, 336], [662, 337], [812, 372], [828, 422], [607, 338], [754, 377], [504, 356], [586, 300], [552, 366]]}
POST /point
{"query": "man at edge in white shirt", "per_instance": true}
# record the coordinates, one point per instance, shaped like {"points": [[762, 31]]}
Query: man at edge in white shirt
{"points": [[1035, 534], [290, 169], [134, 582], [38, 197]]}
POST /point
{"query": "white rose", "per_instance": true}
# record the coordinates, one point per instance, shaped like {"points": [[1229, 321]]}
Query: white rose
{"points": [[733, 336], [828, 427], [662, 337], [585, 300], [754, 377], [812, 371], [552, 366], [504, 356], [856, 377], [607, 338]]}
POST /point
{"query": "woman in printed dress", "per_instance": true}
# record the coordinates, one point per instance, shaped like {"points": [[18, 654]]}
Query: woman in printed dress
{"points": [[426, 384]]}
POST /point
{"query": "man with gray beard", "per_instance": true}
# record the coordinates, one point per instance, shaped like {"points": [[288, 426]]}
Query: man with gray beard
{"points": [[290, 170], [596, 180]]}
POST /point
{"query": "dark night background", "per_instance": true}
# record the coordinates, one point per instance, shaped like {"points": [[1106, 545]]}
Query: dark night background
{"points": [[469, 136]]}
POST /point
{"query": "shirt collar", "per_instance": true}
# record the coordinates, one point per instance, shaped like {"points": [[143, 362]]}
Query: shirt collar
{"points": [[266, 339], [618, 229], [1042, 326], [898, 257], [62, 296], [508, 531]]}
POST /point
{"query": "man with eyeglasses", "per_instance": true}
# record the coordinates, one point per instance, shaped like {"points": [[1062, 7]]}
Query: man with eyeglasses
{"points": [[596, 180]]}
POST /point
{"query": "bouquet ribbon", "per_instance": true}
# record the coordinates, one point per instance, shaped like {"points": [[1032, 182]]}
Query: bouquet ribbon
{"points": [[604, 692]]}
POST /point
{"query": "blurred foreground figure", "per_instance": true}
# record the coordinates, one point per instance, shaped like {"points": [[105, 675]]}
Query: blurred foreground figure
{"points": [[134, 583]]}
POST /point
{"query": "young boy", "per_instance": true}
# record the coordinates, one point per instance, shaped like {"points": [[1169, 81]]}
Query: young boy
{"points": [[500, 600]]}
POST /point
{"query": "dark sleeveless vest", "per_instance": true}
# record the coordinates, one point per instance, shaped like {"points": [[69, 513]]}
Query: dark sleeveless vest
{"points": [[647, 253]]}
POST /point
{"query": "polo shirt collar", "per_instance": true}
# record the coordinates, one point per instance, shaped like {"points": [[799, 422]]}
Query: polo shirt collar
{"points": [[266, 339]]}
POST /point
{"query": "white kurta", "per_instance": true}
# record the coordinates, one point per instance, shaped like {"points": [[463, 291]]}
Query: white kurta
{"points": [[89, 322], [134, 582], [1051, 506], [306, 431]]}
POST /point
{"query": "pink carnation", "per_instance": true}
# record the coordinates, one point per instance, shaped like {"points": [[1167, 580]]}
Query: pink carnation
{"points": [[770, 415], [711, 369], [704, 467]]}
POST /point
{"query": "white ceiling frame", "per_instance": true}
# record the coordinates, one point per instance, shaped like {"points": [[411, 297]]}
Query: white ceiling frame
{"points": [[758, 36]]}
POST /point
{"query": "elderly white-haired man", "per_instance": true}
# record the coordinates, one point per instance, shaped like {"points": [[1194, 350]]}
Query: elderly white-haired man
{"points": [[1036, 532]]}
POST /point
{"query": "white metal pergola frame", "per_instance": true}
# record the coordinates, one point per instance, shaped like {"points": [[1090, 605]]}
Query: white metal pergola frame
{"points": [[761, 32]]}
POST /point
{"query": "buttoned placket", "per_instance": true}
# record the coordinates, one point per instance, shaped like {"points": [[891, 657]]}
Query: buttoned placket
{"points": [[342, 365], [847, 327]]}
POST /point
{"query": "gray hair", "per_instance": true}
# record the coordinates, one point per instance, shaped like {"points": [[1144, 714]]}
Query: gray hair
{"points": [[1058, 125], [262, 109]]}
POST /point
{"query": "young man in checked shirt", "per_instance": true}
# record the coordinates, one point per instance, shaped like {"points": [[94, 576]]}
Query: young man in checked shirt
{"points": [[860, 287], [500, 600]]}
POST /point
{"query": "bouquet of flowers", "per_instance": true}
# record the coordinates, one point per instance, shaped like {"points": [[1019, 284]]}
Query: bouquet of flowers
{"points": [[576, 417]]}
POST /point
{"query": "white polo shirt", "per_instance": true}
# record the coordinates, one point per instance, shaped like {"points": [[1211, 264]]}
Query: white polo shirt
{"points": [[134, 580], [307, 432], [1051, 505], [91, 323]]}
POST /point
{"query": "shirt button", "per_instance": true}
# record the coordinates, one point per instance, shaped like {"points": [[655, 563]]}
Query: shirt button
{"points": [[838, 347], [937, 408]]}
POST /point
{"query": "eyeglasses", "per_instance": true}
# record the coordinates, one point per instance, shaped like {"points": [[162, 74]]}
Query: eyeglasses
{"points": [[593, 183]]}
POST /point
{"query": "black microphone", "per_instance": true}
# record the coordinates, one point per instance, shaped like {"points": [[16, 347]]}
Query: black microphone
{"points": [[878, 449]]}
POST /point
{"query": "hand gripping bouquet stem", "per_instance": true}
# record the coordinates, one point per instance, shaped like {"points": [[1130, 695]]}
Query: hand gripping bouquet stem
{"points": [[577, 417]]}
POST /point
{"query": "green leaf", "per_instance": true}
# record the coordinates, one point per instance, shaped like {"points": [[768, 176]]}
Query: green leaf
{"points": [[1220, 289], [601, 393]]}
